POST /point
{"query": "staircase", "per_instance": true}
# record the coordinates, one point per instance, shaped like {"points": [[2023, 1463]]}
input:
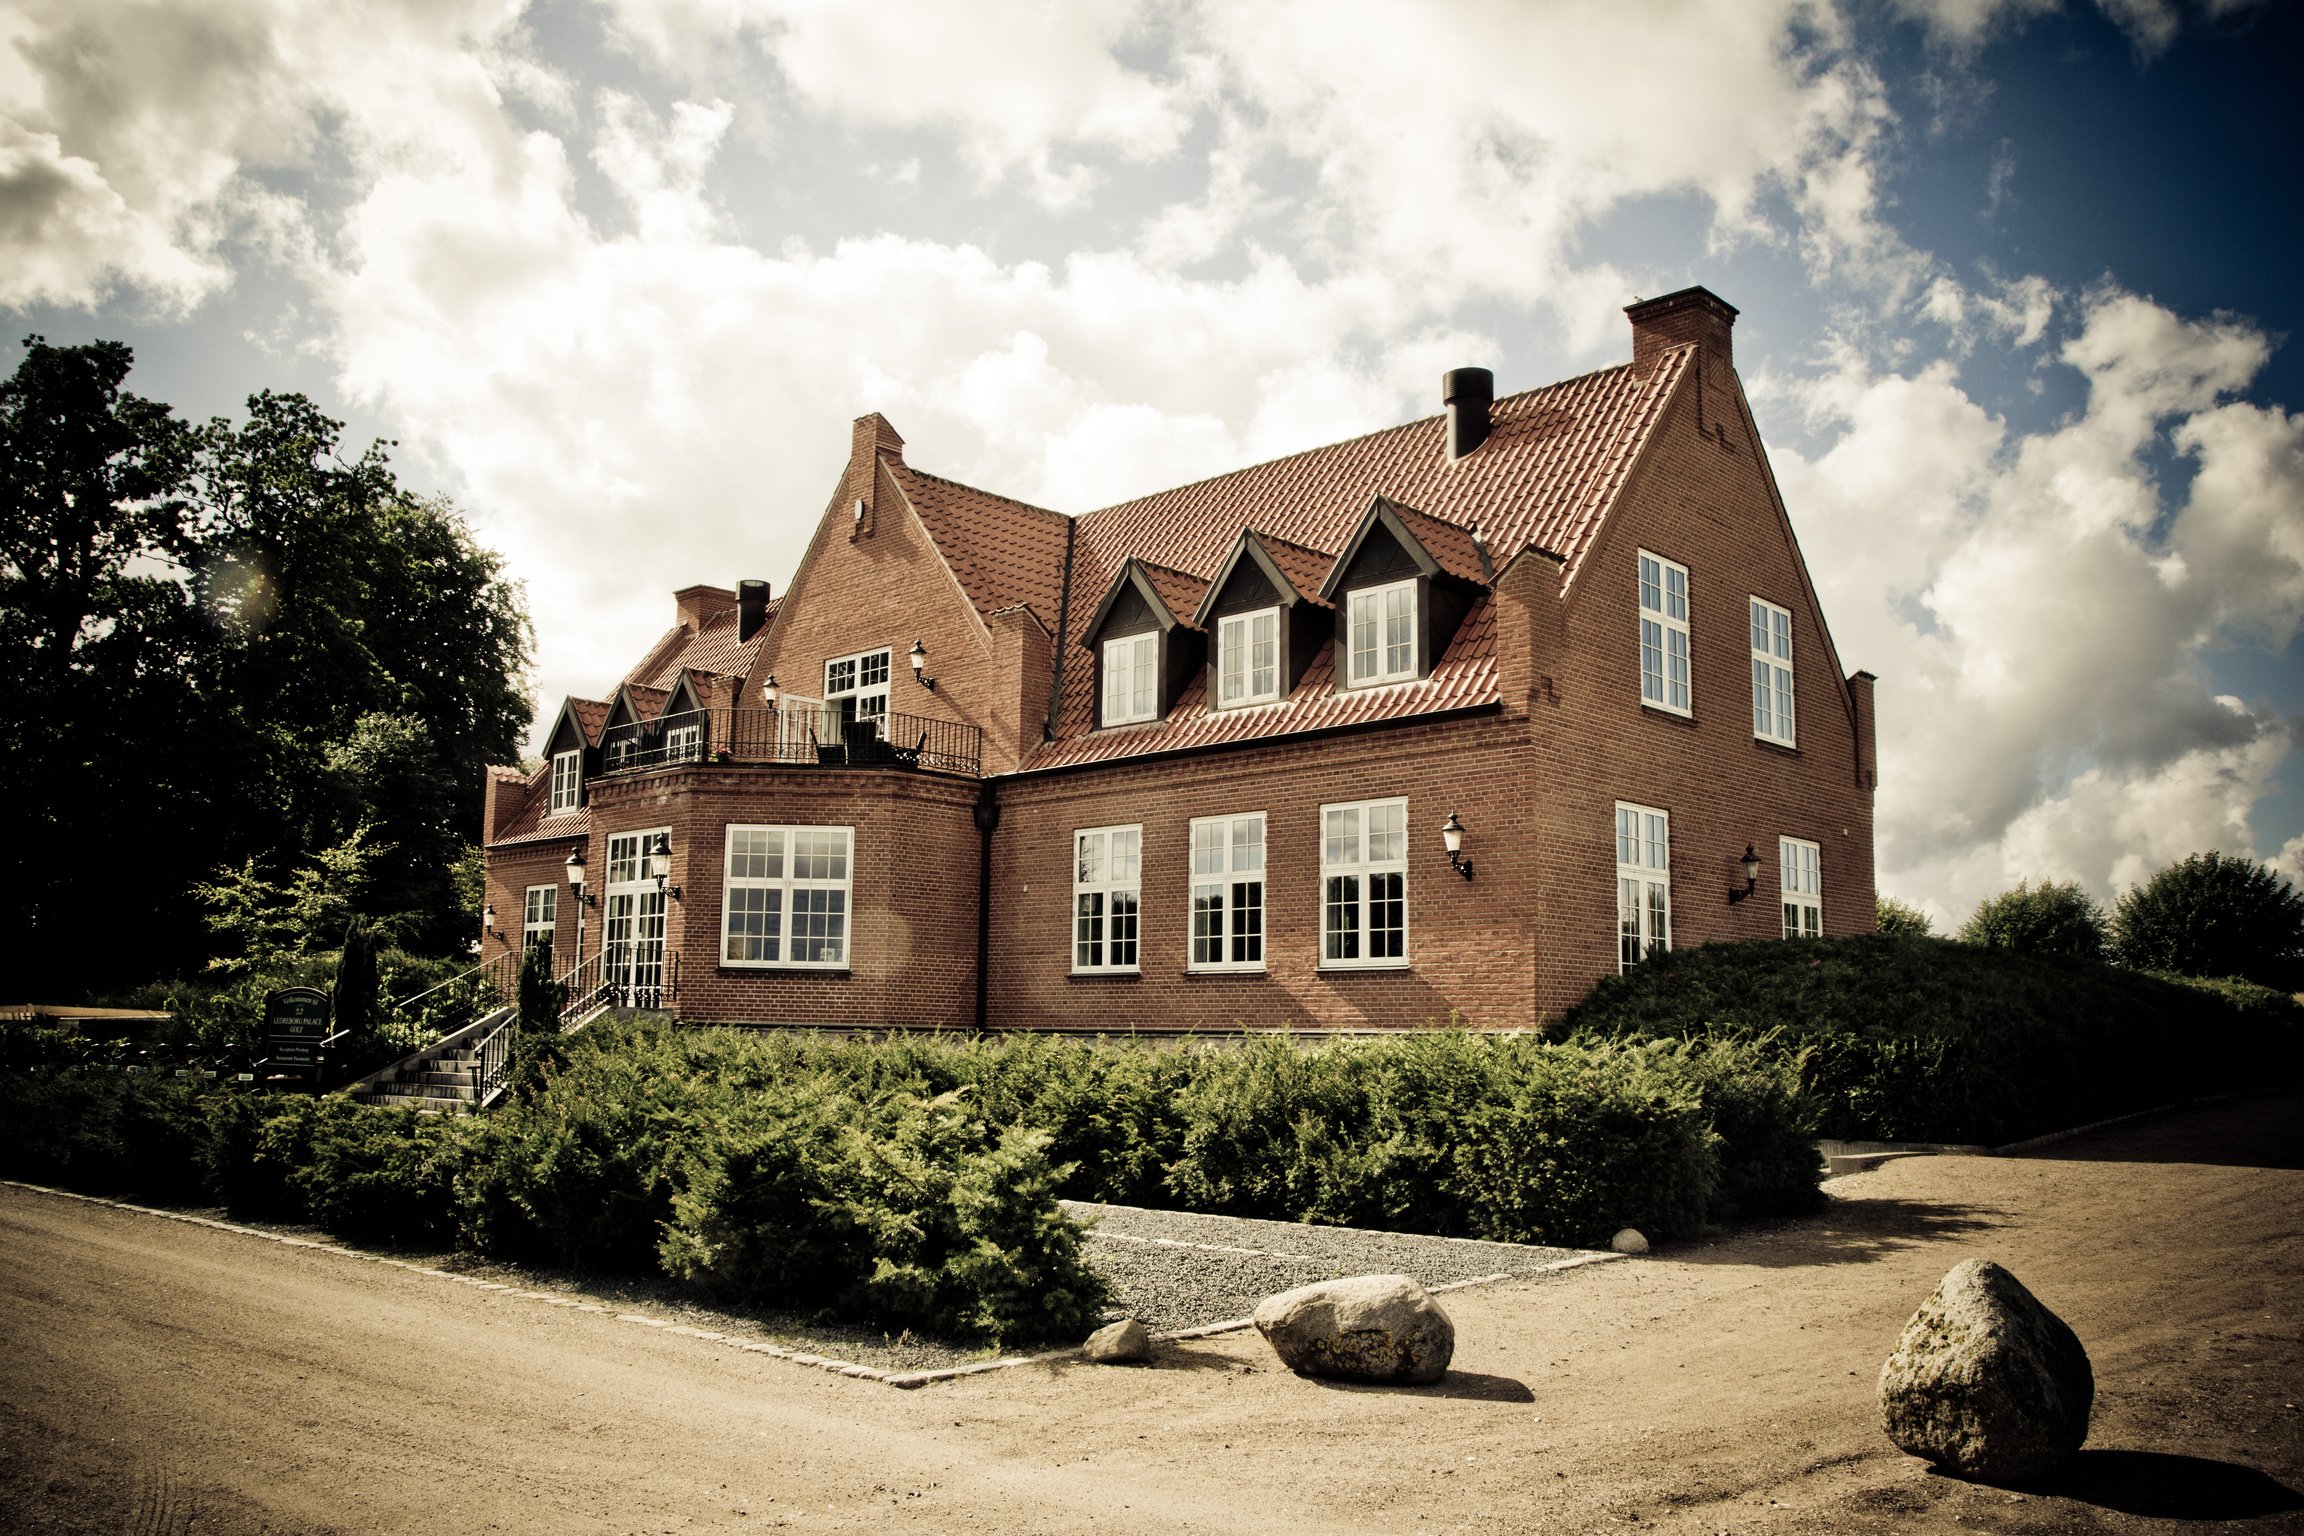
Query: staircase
{"points": [[454, 1075]]}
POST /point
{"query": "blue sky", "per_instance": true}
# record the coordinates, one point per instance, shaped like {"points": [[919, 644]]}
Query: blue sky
{"points": [[2017, 314]]}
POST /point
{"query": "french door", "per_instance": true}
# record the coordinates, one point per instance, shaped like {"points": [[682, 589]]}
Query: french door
{"points": [[632, 936]]}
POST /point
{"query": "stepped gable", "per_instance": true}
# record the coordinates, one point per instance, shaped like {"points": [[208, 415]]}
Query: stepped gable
{"points": [[1004, 553], [712, 649]]}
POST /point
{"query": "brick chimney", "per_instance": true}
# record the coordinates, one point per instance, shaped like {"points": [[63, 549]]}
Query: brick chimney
{"points": [[872, 440], [1693, 314], [696, 604]]}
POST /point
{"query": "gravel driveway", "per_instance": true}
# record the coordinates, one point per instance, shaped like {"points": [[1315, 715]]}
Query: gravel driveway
{"points": [[1175, 1271]]}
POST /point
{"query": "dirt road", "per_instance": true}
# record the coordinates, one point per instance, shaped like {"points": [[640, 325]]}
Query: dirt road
{"points": [[157, 1377]]}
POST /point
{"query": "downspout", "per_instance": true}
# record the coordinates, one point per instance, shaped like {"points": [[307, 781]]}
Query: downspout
{"points": [[1063, 632], [987, 811]]}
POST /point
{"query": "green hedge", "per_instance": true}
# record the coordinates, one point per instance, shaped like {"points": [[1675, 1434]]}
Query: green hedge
{"points": [[1920, 1039]]}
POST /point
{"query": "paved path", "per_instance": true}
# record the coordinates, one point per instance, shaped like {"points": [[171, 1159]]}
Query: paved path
{"points": [[157, 1377]]}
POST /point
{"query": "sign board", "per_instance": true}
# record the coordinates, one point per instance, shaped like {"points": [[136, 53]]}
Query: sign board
{"points": [[296, 1013], [295, 1053]]}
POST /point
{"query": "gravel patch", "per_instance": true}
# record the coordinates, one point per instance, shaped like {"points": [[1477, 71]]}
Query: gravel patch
{"points": [[1174, 1269]]}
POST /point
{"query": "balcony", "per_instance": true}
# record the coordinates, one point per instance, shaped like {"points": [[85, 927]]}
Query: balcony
{"points": [[799, 732]]}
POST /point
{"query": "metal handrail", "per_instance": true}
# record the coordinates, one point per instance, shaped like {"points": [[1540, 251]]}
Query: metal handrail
{"points": [[509, 963], [794, 733]]}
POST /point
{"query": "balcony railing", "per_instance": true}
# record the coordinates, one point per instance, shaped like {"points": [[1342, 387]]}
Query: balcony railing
{"points": [[805, 733]]}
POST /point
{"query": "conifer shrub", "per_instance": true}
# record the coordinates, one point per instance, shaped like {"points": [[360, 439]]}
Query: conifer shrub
{"points": [[382, 1176]]}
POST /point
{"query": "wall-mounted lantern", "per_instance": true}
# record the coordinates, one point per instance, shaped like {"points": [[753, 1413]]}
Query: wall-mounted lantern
{"points": [[1750, 864], [918, 656], [1452, 838], [660, 865], [769, 691]]}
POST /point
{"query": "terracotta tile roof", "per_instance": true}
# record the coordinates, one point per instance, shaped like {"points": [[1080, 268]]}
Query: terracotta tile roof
{"points": [[647, 703], [712, 648], [1006, 553], [533, 826], [1180, 590], [591, 717], [1464, 679], [1455, 548], [1304, 568]]}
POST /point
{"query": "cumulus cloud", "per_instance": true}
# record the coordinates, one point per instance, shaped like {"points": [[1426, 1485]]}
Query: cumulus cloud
{"points": [[2037, 610]]}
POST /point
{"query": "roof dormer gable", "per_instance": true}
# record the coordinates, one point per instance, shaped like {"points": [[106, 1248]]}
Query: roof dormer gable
{"points": [[1262, 572], [1145, 644], [1142, 598], [1402, 584], [684, 698], [1393, 541]]}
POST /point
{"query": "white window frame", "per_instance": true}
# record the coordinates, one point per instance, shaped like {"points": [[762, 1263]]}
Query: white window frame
{"points": [[1226, 930], [567, 781], [1248, 667], [1390, 656], [772, 869], [1800, 886], [862, 676], [1108, 900], [1643, 883], [1667, 666], [1350, 928], [683, 743], [1772, 716], [1132, 678], [539, 915]]}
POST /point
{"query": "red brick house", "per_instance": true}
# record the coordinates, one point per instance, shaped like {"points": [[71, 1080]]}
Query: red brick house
{"points": [[1449, 720]]}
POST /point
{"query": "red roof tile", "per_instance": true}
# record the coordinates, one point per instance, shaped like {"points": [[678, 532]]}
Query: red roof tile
{"points": [[1005, 553], [591, 717], [534, 826], [712, 648]]}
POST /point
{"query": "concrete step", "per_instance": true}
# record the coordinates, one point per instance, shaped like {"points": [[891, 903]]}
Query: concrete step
{"points": [[463, 1079]]}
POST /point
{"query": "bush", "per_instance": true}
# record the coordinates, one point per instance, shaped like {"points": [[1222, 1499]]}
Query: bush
{"points": [[382, 1175], [1898, 921], [2211, 915], [2051, 919], [1931, 1040]]}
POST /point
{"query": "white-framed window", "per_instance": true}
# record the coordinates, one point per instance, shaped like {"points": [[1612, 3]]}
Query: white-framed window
{"points": [[785, 899], [1364, 884], [1131, 679], [683, 743], [1248, 658], [1107, 868], [1382, 633], [1664, 678], [1228, 893], [539, 915], [1800, 877], [623, 745], [567, 779], [863, 678], [1771, 672], [1643, 883]]}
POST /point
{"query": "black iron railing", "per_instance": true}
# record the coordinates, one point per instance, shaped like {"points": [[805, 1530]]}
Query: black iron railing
{"points": [[611, 980], [807, 734]]}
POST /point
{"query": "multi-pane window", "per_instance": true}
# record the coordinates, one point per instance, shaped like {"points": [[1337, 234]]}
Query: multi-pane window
{"points": [[1248, 658], [785, 900], [683, 743], [1228, 893], [1382, 637], [539, 915], [1664, 634], [861, 679], [567, 779], [1131, 679], [1771, 672], [1643, 883], [1800, 876], [1107, 867], [1364, 883]]}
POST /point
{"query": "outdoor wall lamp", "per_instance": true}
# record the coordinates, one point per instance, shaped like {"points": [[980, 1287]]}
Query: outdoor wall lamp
{"points": [[576, 876], [1750, 864], [768, 691], [488, 919], [660, 865], [918, 656], [1452, 837]]}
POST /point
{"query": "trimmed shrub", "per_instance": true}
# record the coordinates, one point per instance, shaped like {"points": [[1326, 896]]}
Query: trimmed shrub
{"points": [[382, 1176], [2052, 919], [2212, 915]]}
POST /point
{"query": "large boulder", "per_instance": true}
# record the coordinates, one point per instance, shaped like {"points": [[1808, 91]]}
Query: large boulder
{"points": [[1986, 1382], [1126, 1342], [1367, 1328]]}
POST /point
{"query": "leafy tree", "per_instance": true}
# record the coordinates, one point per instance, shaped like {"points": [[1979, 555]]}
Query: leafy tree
{"points": [[2054, 918], [358, 990], [1900, 921], [2213, 915], [540, 996]]}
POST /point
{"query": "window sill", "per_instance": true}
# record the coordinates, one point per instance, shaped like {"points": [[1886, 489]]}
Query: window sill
{"points": [[1220, 971], [1788, 749], [1360, 967], [1108, 973], [1685, 717], [778, 968]]}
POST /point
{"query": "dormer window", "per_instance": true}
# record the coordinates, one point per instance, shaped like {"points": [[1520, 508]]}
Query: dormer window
{"points": [[1248, 658], [1382, 645], [567, 780], [1131, 679]]}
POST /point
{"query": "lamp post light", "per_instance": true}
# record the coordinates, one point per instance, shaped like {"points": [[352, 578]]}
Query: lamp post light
{"points": [[1750, 864], [576, 889], [1452, 838]]}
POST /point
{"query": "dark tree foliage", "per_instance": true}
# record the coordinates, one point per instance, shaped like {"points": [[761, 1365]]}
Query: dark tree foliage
{"points": [[225, 643], [2214, 915], [1900, 920], [2056, 919], [358, 990]]}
